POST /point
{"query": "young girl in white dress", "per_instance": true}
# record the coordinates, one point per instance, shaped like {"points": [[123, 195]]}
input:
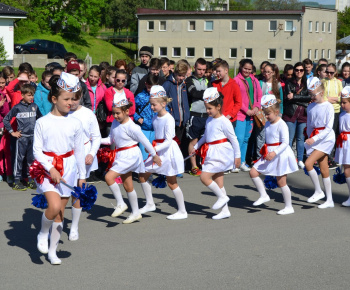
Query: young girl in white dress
{"points": [[215, 149], [168, 151], [320, 118], [342, 153], [125, 134], [277, 158], [92, 141], [59, 147]]}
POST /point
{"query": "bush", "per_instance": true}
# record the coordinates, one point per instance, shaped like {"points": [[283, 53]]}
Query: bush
{"points": [[3, 52]]}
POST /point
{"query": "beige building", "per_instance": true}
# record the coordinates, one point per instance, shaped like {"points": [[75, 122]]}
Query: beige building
{"points": [[278, 36]]}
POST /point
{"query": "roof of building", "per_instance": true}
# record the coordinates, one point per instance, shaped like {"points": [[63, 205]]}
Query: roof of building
{"points": [[6, 10], [345, 40], [147, 11]]}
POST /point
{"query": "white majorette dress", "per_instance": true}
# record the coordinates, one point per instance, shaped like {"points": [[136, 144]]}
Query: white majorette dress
{"points": [[92, 135], [59, 143], [277, 140], [220, 153], [166, 147], [320, 119]]}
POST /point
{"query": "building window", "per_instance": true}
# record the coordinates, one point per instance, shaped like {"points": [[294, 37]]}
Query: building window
{"points": [[329, 27], [191, 25], [273, 25], [289, 26], [176, 51], [323, 26], [234, 25], [162, 25], [208, 52], [322, 53], [316, 53], [249, 25], [329, 54], [310, 26], [287, 54], [248, 53], [208, 25], [150, 25], [190, 52], [233, 52], [309, 53], [272, 53], [163, 51], [317, 26]]}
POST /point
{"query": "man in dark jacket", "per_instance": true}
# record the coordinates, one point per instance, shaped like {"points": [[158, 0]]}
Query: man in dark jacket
{"points": [[141, 70]]}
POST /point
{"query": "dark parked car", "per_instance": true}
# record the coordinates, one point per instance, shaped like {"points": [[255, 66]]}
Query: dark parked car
{"points": [[40, 46]]}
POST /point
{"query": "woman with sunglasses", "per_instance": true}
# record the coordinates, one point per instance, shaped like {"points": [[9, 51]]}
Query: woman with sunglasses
{"points": [[333, 87], [296, 99]]}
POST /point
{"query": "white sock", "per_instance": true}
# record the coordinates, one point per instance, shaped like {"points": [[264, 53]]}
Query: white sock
{"points": [[75, 219], [45, 227], [214, 187], [225, 209], [56, 231], [179, 197], [260, 186], [328, 188], [314, 178], [134, 203], [147, 190], [287, 196], [347, 202], [117, 193]]}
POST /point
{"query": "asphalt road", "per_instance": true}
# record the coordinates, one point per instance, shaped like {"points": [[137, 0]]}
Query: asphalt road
{"points": [[253, 249]]}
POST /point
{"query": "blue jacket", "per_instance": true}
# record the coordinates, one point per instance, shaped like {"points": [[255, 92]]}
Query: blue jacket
{"points": [[40, 98], [178, 93], [147, 114]]}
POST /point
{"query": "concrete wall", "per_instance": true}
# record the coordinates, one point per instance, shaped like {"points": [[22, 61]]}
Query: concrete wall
{"points": [[6, 31], [36, 60]]}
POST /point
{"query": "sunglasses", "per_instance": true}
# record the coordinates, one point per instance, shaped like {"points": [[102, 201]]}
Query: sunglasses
{"points": [[299, 70], [330, 72], [314, 95], [120, 81]]}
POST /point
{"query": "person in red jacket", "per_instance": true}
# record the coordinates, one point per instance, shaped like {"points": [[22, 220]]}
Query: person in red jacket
{"points": [[14, 88], [95, 87], [229, 88]]}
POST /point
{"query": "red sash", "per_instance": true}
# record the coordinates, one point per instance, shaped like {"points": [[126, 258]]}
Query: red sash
{"points": [[154, 142], [316, 131], [58, 160], [342, 137], [204, 149], [114, 152], [264, 151]]}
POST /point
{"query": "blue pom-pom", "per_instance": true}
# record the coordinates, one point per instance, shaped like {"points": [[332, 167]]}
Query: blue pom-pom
{"points": [[87, 195], [339, 177], [39, 201], [317, 169], [270, 182], [159, 182]]}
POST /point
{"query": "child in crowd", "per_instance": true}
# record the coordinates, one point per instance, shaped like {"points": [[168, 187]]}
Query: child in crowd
{"points": [[172, 66], [83, 69], [214, 146], [143, 69], [344, 76], [110, 76], [209, 71], [125, 134], [168, 151], [59, 147], [5, 155], [165, 66], [42, 92], [342, 152], [14, 88], [26, 113], [33, 78], [92, 141], [308, 67], [95, 86], [320, 142], [277, 158], [9, 74], [321, 72], [144, 114]]}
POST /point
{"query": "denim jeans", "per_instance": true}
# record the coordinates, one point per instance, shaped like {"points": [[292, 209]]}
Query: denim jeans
{"points": [[243, 131], [296, 130]]}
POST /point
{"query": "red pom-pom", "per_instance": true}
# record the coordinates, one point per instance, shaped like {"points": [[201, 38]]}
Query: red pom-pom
{"points": [[103, 154], [38, 172]]}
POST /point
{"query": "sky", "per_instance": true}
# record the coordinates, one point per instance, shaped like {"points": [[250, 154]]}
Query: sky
{"points": [[321, 1]]}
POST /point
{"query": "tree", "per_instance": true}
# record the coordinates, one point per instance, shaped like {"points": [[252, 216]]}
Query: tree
{"points": [[343, 24], [3, 52], [277, 4], [241, 5]]}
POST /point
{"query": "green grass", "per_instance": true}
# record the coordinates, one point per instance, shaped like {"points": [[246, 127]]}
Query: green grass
{"points": [[98, 49]]}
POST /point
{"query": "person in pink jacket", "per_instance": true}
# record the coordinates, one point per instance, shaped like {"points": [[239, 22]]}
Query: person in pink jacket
{"points": [[95, 86], [250, 89], [120, 81]]}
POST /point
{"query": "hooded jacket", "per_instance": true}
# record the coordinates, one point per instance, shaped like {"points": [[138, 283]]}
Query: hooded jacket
{"points": [[100, 94], [40, 98], [137, 74]]}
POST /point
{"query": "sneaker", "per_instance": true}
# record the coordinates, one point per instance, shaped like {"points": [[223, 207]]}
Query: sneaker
{"points": [[301, 164], [332, 165], [227, 172], [244, 167], [96, 179], [236, 170], [19, 186], [179, 175], [195, 171], [90, 179], [31, 184]]}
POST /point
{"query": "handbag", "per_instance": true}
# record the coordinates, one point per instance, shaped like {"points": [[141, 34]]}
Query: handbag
{"points": [[101, 112], [259, 117]]}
